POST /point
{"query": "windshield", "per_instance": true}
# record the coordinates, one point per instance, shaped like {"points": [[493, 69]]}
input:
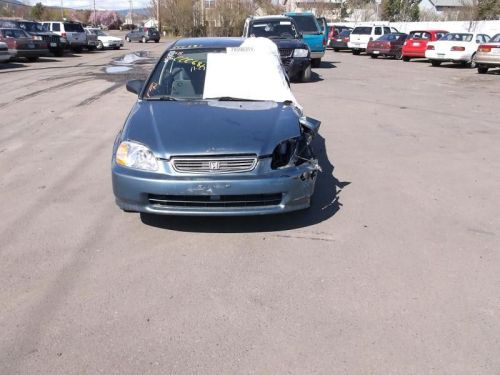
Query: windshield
{"points": [[362, 30], [73, 27], [31, 27], [235, 73], [274, 29], [307, 24], [495, 39], [457, 37], [14, 33], [391, 37], [419, 35], [345, 33]]}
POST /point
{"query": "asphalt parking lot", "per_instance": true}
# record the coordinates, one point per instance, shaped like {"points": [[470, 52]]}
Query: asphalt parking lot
{"points": [[393, 270]]}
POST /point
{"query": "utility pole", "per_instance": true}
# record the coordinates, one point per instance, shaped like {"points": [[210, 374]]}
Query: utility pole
{"points": [[131, 12], [95, 23], [158, 15], [62, 11]]}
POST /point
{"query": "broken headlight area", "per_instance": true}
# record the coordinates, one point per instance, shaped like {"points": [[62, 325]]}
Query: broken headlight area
{"points": [[293, 152]]}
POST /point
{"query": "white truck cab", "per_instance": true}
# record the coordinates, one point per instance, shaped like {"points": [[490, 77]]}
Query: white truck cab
{"points": [[361, 35]]}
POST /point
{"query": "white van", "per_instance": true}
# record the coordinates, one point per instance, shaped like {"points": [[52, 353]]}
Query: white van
{"points": [[361, 35]]}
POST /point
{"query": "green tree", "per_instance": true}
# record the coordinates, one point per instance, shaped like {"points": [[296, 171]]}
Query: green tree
{"points": [[488, 9], [37, 11], [400, 10]]}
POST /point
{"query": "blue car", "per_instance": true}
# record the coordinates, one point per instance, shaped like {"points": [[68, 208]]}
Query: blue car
{"points": [[191, 147], [313, 35]]}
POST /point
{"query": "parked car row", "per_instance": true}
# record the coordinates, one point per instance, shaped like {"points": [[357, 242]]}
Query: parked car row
{"points": [[475, 50], [32, 40]]}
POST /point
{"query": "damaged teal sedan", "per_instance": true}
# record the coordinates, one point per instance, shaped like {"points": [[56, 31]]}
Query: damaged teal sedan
{"points": [[215, 131]]}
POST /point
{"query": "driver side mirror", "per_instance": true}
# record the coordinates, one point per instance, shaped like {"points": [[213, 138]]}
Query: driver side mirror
{"points": [[135, 86], [311, 125]]}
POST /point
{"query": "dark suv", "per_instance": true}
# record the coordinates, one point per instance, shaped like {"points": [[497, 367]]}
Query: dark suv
{"points": [[282, 30], [143, 34], [55, 43]]}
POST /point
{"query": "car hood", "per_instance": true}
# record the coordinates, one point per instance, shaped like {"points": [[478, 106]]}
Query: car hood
{"points": [[290, 43], [211, 127]]}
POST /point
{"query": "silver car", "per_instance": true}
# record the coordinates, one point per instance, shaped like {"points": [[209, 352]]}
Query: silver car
{"points": [[72, 32], [191, 147]]}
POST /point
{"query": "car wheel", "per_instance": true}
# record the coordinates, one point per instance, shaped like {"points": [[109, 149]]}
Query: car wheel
{"points": [[336, 49], [117, 48], [435, 63], [58, 52], [157, 41], [398, 56], [306, 74], [356, 51], [127, 39], [32, 58], [482, 69], [406, 58], [472, 64], [100, 46], [373, 56], [144, 40]]}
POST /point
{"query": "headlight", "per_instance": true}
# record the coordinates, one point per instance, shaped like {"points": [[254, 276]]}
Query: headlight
{"points": [[37, 37], [300, 52], [285, 154], [135, 155]]}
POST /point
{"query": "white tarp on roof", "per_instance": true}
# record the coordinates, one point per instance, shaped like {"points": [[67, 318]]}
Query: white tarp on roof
{"points": [[252, 71]]}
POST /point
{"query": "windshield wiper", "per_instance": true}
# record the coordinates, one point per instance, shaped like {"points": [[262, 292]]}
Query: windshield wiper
{"points": [[163, 98]]}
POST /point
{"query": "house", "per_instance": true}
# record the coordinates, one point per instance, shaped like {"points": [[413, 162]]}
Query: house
{"points": [[445, 6]]}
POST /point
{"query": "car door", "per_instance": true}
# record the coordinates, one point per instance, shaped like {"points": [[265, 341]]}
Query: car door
{"points": [[324, 28], [376, 33]]}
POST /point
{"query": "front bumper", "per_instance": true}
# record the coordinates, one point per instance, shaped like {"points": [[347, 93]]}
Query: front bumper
{"points": [[133, 188], [295, 65], [358, 46], [112, 44], [317, 54], [31, 52]]}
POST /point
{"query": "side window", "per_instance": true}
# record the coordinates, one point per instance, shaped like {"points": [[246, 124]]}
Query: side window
{"points": [[387, 30], [56, 27], [378, 31]]}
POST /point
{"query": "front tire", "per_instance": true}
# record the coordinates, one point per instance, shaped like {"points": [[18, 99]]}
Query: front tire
{"points": [[157, 41], [373, 56], [32, 58], [472, 64], [100, 46], [306, 74], [58, 52], [336, 49], [406, 58], [435, 63], [356, 52], [482, 69]]}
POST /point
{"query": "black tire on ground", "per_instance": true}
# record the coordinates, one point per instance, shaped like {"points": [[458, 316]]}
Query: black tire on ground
{"points": [[100, 46], [435, 63], [315, 63], [472, 63], [305, 76], [32, 58], [356, 52], [116, 47], [58, 52], [406, 58], [336, 49], [373, 56], [157, 41], [482, 69], [77, 49]]}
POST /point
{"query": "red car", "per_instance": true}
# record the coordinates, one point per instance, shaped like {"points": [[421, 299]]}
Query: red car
{"points": [[23, 44], [416, 43], [388, 45], [334, 33]]}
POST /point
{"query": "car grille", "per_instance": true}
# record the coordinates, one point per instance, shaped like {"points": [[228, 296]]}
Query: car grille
{"points": [[51, 38], [286, 52], [214, 164], [286, 62], [248, 200]]}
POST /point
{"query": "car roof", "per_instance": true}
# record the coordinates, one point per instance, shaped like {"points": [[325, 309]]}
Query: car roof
{"points": [[429, 31], [208, 42], [277, 16]]}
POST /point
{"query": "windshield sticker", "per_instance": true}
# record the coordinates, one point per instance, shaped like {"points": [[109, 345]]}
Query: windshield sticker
{"points": [[178, 56], [285, 23], [238, 50]]}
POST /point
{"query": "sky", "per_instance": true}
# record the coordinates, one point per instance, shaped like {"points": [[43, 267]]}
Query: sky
{"points": [[99, 4]]}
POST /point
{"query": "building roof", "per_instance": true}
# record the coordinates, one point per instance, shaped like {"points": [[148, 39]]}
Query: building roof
{"points": [[451, 3]]}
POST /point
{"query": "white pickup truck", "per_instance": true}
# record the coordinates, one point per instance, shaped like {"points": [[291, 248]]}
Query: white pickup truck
{"points": [[361, 35]]}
